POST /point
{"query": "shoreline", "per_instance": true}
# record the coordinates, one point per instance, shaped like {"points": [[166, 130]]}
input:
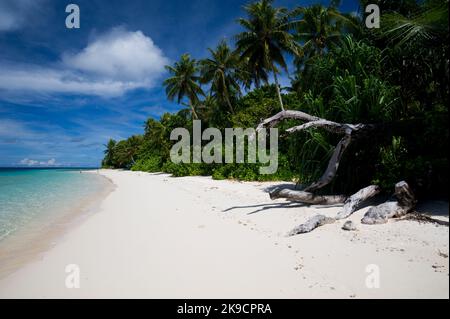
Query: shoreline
{"points": [[193, 237], [32, 241]]}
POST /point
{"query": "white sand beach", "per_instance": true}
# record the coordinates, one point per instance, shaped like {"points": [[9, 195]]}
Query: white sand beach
{"points": [[156, 236]]}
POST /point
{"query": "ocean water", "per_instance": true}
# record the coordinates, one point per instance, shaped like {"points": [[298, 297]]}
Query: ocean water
{"points": [[30, 195]]}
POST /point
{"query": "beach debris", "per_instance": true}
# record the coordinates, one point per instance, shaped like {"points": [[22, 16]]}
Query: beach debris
{"points": [[349, 225], [351, 204], [354, 202], [312, 223], [298, 267], [443, 255], [437, 268], [306, 197], [350, 132], [402, 203], [423, 218]]}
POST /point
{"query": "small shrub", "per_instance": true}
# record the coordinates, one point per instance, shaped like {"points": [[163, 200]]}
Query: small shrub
{"points": [[149, 164]]}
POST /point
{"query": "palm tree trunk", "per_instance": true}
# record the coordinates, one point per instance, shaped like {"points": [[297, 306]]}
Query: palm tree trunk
{"points": [[229, 104], [194, 114], [275, 77], [227, 98], [257, 83]]}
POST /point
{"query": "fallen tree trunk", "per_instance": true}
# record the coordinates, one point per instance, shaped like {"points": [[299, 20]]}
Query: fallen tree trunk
{"points": [[333, 165], [307, 198], [405, 200], [381, 213], [353, 203], [315, 122], [404, 203]]}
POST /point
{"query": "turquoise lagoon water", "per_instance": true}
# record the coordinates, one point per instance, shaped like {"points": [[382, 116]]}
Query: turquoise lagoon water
{"points": [[27, 195]]}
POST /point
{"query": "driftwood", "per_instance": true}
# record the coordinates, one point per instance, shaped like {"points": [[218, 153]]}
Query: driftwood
{"points": [[307, 198], [333, 164], [348, 130], [404, 200], [351, 204], [403, 204], [316, 221]]}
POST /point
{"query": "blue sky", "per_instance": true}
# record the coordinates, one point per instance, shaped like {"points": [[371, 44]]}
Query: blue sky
{"points": [[65, 92]]}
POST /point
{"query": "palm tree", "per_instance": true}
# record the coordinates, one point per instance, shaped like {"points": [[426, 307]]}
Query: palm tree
{"points": [[211, 111], [316, 29], [184, 82], [319, 27], [403, 7], [252, 74], [125, 151], [222, 70], [109, 152], [266, 38], [417, 43], [426, 24]]}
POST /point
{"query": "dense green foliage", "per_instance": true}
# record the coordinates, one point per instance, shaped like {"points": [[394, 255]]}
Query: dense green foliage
{"points": [[395, 77]]}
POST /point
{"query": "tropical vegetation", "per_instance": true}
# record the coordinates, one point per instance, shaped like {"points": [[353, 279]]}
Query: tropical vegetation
{"points": [[396, 76]]}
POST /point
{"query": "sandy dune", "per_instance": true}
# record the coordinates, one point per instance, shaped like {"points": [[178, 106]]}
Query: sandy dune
{"points": [[193, 237]]}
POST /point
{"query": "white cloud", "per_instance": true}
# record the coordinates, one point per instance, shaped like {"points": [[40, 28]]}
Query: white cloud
{"points": [[120, 55], [12, 129], [30, 78], [112, 64], [14, 14], [50, 162], [31, 162], [34, 143]]}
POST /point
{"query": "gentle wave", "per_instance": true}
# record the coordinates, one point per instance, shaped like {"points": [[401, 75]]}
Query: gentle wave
{"points": [[27, 195]]}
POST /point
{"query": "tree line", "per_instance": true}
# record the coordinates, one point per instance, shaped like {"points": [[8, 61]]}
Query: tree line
{"points": [[395, 76]]}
